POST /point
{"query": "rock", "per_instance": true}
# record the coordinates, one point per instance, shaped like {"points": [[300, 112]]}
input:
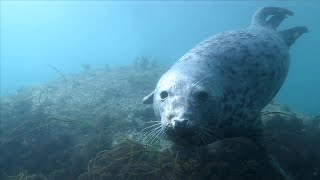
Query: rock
{"points": [[237, 158]]}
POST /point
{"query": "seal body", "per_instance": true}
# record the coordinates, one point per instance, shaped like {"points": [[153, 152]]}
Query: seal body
{"points": [[220, 86]]}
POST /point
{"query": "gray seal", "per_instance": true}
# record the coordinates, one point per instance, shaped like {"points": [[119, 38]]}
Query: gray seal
{"points": [[219, 87]]}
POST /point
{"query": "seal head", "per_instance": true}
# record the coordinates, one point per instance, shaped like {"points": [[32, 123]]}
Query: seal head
{"points": [[185, 103]]}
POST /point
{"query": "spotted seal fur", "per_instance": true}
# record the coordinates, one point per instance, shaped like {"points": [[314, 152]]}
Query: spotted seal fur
{"points": [[219, 87]]}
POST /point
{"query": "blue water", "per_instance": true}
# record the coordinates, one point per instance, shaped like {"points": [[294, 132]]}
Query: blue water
{"points": [[68, 34]]}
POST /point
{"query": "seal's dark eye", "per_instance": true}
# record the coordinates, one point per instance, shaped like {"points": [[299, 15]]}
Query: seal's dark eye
{"points": [[164, 94], [202, 96]]}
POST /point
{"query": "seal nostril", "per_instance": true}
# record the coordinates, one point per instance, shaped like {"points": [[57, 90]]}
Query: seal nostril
{"points": [[183, 128], [180, 123]]}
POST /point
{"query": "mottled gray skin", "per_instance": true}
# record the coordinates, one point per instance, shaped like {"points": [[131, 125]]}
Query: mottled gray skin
{"points": [[219, 87]]}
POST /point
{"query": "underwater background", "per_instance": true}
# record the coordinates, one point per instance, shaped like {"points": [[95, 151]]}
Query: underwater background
{"points": [[65, 35], [73, 74]]}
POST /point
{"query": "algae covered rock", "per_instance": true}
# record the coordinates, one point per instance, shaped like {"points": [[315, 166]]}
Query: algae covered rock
{"points": [[237, 158], [90, 126]]}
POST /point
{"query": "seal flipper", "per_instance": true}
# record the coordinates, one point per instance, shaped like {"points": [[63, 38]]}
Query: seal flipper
{"points": [[148, 99], [289, 36], [277, 16]]}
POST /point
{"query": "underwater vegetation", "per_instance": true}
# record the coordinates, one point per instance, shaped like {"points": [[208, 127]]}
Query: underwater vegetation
{"points": [[88, 126]]}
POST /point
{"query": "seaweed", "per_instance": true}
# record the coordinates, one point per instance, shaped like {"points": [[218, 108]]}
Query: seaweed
{"points": [[87, 126], [131, 160]]}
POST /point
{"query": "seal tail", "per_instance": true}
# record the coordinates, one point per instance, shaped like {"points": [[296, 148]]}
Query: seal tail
{"points": [[276, 14], [289, 36]]}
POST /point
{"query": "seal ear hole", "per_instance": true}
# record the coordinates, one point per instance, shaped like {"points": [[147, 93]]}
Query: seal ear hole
{"points": [[163, 95], [202, 96]]}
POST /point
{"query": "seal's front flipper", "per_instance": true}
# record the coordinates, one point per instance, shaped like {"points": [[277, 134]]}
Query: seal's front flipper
{"points": [[289, 36], [260, 18], [148, 99]]}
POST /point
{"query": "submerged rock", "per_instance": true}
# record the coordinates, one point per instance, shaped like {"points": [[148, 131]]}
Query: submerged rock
{"points": [[59, 129], [237, 158]]}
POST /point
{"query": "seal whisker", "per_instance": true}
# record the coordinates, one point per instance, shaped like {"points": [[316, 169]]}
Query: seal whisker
{"points": [[165, 136], [207, 141], [150, 127], [151, 122], [211, 131], [201, 138], [155, 136], [214, 130], [211, 90], [152, 131], [150, 134], [153, 125], [162, 135], [203, 78], [210, 136]]}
